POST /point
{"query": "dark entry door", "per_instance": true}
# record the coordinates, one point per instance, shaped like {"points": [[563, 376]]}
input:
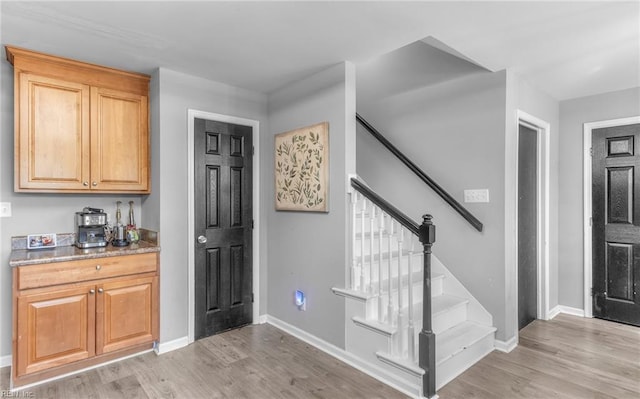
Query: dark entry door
{"points": [[616, 223], [223, 226], [527, 225]]}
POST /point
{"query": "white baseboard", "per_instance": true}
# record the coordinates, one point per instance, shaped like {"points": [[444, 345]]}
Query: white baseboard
{"points": [[348, 358], [165, 347], [5, 361], [566, 310], [554, 312], [261, 320], [506, 346]]}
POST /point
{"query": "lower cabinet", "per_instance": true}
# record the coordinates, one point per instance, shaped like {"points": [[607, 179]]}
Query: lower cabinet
{"points": [[66, 327], [55, 328], [125, 313]]}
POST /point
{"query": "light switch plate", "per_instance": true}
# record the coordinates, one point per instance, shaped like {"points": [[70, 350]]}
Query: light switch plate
{"points": [[5, 209], [479, 195]]}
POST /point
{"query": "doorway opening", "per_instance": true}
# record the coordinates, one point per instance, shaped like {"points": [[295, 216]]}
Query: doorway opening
{"points": [[191, 237], [532, 219]]}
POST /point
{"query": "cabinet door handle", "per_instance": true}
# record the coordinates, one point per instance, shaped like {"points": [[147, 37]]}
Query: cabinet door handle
{"points": [[86, 183], [98, 267], [92, 291], [100, 290], [94, 184]]}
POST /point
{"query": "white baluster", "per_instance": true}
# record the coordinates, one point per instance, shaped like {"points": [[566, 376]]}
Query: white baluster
{"points": [[400, 302], [380, 304], [362, 237], [410, 328], [390, 318], [354, 258], [372, 218]]}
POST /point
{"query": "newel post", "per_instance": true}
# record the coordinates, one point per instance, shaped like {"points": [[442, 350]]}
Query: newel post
{"points": [[427, 339]]}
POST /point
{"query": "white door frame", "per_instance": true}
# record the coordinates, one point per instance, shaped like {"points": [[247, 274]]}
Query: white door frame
{"points": [[191, 116], [588, 210], [543, 130]]}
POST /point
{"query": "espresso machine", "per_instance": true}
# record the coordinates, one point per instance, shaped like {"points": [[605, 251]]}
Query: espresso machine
{"points": [[90, 224]]}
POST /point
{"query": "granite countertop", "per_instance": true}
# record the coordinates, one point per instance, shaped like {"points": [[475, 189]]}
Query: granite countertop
{"points": [[24, 257]]}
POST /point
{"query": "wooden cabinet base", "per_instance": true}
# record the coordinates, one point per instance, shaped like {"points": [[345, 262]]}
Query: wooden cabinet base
{"points": [[79, 366], [71, 315]]}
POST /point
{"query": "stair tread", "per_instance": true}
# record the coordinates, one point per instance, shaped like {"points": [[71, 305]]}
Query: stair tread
{"points": [[374, 325], [459, 337]]}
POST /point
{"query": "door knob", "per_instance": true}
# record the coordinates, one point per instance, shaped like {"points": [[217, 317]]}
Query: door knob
{"points": [[202, 239]]}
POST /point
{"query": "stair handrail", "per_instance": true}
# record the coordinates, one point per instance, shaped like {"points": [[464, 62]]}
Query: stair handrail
{"points": [[421, 174], [426, 233], [386, 206]]}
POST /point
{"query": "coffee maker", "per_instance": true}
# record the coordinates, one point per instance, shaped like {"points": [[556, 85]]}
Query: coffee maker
{"points": [[90, 225]]}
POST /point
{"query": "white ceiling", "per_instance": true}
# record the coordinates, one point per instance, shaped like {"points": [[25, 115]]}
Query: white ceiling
{"points": [[567, 49]]}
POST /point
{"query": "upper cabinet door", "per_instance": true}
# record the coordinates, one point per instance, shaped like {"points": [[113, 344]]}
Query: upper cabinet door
{"points": [[119, 141], [52, 136]]}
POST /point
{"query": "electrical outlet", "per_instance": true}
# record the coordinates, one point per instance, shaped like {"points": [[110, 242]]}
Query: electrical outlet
{"points": [[5, 209], [479, 195]]}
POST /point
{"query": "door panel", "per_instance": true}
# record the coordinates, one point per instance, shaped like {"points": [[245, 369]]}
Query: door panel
{"points": [[223, 215], [53, 138], [527, 226], [125, 314], [616, 223], [55, 328], [119, 140]]}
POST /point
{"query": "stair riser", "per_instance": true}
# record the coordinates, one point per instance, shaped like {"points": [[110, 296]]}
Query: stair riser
{"points": [[451, 368], [448, 319], [364, 343]]}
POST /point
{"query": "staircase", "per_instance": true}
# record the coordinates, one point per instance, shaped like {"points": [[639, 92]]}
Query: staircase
{"points": [[384, 302]]}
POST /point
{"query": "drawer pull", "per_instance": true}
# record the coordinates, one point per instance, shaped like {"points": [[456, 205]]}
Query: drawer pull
{"points": [[98, 267], [92, 291], [100, 290]]}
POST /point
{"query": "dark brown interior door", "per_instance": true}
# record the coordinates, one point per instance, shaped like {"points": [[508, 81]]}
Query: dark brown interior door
{"points": [[223, 226], [616, 223], [527, 226]]}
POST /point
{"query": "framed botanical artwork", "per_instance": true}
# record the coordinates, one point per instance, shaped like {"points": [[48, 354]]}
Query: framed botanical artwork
{"points": [[302, 169]]}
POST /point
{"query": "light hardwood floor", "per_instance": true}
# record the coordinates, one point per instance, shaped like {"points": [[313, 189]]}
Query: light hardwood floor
{"points": [[257, 362], [568, 357]]}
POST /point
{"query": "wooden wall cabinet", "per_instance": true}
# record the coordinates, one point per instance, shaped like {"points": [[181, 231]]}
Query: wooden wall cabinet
{"points": [[79, 127], [71, 315]]}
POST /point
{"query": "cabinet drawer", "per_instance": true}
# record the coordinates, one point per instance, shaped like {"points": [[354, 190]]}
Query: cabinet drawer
{"points": [[83, 270]]}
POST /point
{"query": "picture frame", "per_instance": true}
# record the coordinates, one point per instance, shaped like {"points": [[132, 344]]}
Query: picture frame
{"points": [[301, 165], [40, 241]]}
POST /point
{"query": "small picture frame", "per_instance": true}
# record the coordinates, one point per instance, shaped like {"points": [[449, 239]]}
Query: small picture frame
{"points": [[39, 241]]}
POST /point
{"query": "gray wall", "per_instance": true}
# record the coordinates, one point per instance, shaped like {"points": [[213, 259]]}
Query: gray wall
{"points": [[308, 251], [33, 213], [455, 131], [173, 93], [573, 114]]}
